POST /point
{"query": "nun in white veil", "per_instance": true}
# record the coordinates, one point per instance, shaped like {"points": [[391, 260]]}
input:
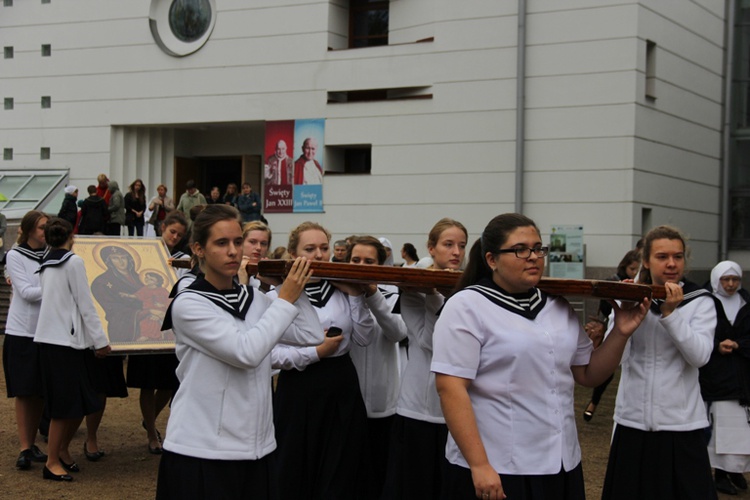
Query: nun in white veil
{"points": [[725, 380]]}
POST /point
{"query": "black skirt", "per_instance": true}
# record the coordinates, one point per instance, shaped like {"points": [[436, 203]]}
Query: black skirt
{"points": [[664, 465], [416, 459], [458, 485], [67, 383], [182, 477], [320, 421], [108, 375], [153, 371], [23, 375]]}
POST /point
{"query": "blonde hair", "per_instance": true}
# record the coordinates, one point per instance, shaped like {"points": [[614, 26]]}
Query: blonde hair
{"points": [[256, 225], [297, 231], [440, 226]]}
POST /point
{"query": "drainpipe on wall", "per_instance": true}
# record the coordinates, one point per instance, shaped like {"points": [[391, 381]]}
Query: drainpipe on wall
{"points": [[726, 133], [520, 104]]}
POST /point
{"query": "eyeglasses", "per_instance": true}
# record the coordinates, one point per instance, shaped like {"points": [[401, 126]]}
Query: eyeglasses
{"points": [[525, 252]]}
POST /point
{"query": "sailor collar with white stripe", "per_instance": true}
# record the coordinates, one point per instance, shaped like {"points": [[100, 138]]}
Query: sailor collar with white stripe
{"points": [[690, 291], [35, 255], [235, 301], [527, 304], [319, 293], [55, 257]]}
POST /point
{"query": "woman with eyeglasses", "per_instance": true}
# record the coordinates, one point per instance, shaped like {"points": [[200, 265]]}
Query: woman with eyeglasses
{"points": [[725, 380], [506, 358]]}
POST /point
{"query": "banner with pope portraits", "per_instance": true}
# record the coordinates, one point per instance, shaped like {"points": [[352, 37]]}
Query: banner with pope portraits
{"points": [[293, 169]]}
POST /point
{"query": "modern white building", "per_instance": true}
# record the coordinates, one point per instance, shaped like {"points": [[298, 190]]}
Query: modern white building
{"points": [[611, 114]]}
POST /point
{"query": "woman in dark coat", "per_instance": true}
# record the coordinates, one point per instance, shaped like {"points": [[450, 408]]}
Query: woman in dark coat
{"points": [[69, 209]]}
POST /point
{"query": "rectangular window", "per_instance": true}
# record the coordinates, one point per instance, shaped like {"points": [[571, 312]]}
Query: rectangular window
{"points": [[650, 69], [46, 1], [349, 159], [46, 102], [8, 52], [46, 50], [44, 153], [8, 103], [7, 3], [7, 153], [368, 23], [370, 95]]}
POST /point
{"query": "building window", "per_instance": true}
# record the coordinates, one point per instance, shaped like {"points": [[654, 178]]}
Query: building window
{"points": [[8, 103], [349, 159], [7, 153], [739, 154], [46, 102], [46, 1], [650, 69], [180, 27], [7, 3], [44, 153], [370, 95], [46, 50], [8, 52], [25, 190], [368, 23]]}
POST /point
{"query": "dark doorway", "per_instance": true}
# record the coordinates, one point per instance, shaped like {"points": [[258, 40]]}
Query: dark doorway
{"points": [[219, 172]]}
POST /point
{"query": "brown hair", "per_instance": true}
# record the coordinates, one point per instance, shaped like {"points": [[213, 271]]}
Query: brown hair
{"points": [[367, 241], [206, 220], [659, 233], [57, 232], [174, 217], [295, 233], [440, 226], [28, 224]]}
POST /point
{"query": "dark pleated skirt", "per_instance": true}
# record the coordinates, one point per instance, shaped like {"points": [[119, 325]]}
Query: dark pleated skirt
{"points": [[153, 371], [23, 375], [183, 477], [458, 485], [320, 421], [662, 465], [416, 459], [108, 375], [378, 438], [67, 382]]}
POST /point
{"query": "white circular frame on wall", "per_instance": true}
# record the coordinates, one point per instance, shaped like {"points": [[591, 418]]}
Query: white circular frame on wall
{"points": [[181, 27]]}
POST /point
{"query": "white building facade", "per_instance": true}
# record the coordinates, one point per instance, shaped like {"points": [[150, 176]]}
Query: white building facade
{"points": [[605, 113]]}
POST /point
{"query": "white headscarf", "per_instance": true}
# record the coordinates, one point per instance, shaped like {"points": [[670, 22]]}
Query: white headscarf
{"points": [[386, 243], [732, 303]]}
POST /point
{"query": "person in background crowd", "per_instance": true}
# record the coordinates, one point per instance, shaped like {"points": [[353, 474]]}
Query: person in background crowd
{"points": [[230, 196], [135, 206], [160, 206], [214, 196], [190, 198], [626, 269], [256, 239], [94, 214], [248, 203], [280, 253], [116, 210], [388, 251], [69, 209], [409, 254], [102, 188], [658, 448], [339, 251], [507, 357], [20, 354], [3, 228], [67, 381], [725, 380]]}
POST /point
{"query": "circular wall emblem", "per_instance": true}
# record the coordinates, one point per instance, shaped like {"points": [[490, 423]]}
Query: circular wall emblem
{"points": [[181, 27]]}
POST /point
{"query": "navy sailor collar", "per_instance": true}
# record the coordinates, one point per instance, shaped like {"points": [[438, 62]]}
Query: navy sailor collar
{"points": [[35, 255], [55, 257], [319, 293], [690, 291], [235, 301], [527, 304]]}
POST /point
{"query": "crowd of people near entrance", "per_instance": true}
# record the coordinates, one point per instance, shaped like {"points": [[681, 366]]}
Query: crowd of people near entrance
{"points": [[311, 388]]}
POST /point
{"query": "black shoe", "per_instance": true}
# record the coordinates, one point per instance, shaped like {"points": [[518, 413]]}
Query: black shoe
{"points": [[71, 467], [23, 462], [725, 486], [37, 455], [92, 457], [157, 450], [48, 474], [158, 434], [738, 480], [589, 414]]}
